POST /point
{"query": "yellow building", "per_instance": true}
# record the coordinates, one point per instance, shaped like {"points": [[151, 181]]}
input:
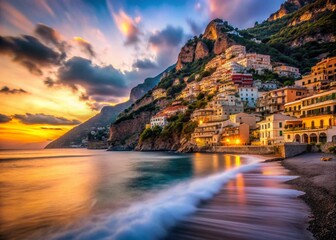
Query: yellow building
{"points": [[293, 108], [322, 76], [317, 122]]}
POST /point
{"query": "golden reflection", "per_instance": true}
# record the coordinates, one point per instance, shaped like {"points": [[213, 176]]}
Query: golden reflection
{"points": [[237, 161], [215, 161], [227, 162], [59, 191], [240, 188]]}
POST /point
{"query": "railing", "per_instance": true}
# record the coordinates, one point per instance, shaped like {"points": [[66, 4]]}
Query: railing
{"points": [[305, 128], [318, 114]]}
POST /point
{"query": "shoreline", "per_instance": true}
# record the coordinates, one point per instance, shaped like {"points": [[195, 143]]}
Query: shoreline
{"points": [[318, 180]]}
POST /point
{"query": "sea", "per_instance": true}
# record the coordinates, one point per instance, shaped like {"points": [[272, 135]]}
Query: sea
{"points": [[97, 194]]}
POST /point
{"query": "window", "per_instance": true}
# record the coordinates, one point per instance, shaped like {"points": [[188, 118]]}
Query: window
{"points": [[280, 124], [269, 125], [321, 123], [288, 136], [312, 124], [280, 133]]}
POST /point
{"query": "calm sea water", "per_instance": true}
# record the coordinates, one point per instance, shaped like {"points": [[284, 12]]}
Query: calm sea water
{"points": [[83, 194]]}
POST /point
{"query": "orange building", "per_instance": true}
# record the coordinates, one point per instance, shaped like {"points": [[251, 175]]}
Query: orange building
{"points": [[322, 76], [274, 101]]}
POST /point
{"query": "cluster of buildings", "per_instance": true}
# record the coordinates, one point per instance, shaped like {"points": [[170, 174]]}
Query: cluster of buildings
{"points": [[245, 111]]}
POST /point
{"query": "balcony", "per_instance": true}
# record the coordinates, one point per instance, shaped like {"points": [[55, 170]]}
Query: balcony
{"points": [[293, 129], [318, 114]]}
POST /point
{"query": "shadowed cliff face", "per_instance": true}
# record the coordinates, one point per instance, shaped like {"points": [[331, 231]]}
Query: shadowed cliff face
{"points": [[106, 116]]}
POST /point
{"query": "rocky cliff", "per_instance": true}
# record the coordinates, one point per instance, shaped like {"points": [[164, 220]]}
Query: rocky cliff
{"points": [[125, 132], [214, 40], [107, 115], [288, 7]]}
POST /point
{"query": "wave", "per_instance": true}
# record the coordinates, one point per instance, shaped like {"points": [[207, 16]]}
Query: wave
{"points": [[153, 218]]}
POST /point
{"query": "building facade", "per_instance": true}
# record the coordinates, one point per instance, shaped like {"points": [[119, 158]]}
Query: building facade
{"points": [[317, 122], [272, 129], [287, 71], [158, 120], [274, 101], [248, 95]]}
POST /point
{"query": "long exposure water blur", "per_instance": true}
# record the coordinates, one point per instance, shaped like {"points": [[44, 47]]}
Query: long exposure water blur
{"points": [[82, 194]]}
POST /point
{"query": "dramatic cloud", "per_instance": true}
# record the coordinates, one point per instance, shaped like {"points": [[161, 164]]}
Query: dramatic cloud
{"points": [[29, 52], [144, 64], [4, 118], [128, 27], [7, 90], [170, 36], [96, 80], [85, 46], [50, 35], [41, 118], [242, 13]]}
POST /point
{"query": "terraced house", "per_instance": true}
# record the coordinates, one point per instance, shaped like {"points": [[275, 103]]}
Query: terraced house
{"points": [[322, 76]]}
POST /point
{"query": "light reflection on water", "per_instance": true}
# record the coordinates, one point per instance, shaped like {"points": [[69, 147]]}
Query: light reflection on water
{"points": [[65, 189]]}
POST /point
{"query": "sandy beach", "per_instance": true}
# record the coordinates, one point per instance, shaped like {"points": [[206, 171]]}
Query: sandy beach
{"points": [[318, 180]]}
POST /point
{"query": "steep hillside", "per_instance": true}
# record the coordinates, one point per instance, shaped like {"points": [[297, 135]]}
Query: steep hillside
{"points": [[288, 7], [301, 49], [304, 36], [107, 115], [194, 55]]}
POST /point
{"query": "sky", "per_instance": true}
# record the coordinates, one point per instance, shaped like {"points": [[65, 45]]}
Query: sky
{"points": [[61, 61]]}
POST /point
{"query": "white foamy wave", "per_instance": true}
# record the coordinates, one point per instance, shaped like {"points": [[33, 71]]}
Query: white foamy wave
{"points": [[153, 218]]}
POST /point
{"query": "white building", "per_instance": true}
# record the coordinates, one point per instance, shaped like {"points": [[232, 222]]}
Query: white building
{"points": [[158, 120], [248, 95], [272, 129], [287, 71], [258, 62], [268, 85]]}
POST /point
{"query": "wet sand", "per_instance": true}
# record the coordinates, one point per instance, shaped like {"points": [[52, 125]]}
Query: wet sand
{"points": [[256, 205], [318, 180]]}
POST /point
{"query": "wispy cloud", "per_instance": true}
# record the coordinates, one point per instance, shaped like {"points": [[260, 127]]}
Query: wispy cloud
{"points": [[128, 27], [15, 17], [7, 90], [41, 118]]}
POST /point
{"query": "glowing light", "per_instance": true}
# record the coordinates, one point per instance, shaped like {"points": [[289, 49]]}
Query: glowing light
{"points": [[237, 141], [200, 122], [227, 140]]}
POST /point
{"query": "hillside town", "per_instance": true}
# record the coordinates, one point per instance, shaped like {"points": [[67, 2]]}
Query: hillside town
{"points": [[243, 110]]}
